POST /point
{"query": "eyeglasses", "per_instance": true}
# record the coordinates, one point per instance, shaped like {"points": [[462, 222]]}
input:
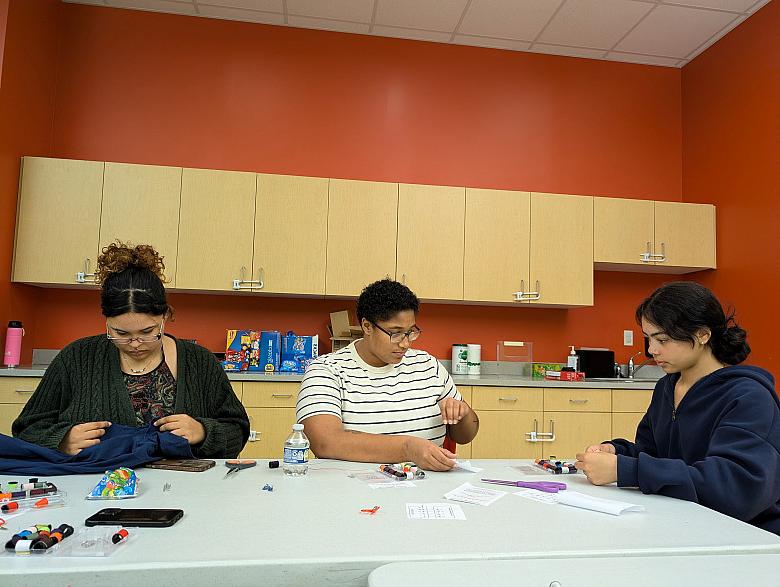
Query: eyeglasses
{"points": [[142, 339], [398, 337]]}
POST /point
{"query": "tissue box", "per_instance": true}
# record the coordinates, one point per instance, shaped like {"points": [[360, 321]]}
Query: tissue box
{"points": [[298, 352], [539, 370], [269, 351], [242, 351]]}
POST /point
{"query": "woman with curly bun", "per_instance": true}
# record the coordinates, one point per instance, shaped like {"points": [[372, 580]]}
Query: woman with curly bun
{"points": [[712, 432], [135, 374]]}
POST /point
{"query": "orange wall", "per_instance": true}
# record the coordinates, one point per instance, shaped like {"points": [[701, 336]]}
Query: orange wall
{"points": [[731, 142], [221, 94], [27, 95]]}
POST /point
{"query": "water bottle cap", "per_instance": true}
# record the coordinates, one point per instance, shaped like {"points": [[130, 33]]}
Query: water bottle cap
{"points": [[298, 427], [14, 324]]}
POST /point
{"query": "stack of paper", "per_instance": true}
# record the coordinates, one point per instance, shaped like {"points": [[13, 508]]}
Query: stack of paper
{"points": [[468, 493], [581, 500]]}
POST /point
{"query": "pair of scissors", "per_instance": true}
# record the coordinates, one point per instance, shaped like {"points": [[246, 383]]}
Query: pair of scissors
{"points": [[235, 465], [546, 486]]}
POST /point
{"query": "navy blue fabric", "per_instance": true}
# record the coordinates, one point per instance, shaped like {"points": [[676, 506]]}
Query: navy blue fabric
{"points": [[719, 448], [120, 446]]}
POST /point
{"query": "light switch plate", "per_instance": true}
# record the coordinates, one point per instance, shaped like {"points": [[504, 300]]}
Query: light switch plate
{"points": [[628, 338]]}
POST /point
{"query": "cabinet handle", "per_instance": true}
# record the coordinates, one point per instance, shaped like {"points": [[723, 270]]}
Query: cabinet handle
{"points": [[403, 278], [662, 257], [536, 436], [85, 276], [647, 256], [578, 401], [24, 390], [524, 296], [282, 395], [245, 284], [510, 398], [254, 435]]}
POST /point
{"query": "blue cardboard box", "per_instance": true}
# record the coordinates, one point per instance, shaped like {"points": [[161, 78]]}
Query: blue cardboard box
{"points": [[298, 352], [270, 341]]}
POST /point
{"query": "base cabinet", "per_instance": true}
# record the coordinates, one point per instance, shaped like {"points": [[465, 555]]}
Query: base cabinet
{"points": [[14, 393]]}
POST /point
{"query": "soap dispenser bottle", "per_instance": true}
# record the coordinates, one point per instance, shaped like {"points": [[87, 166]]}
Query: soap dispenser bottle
{"points": [[573, 360]]}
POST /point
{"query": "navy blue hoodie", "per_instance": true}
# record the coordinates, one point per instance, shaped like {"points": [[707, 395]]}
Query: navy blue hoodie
{"points": [[719, 448]]}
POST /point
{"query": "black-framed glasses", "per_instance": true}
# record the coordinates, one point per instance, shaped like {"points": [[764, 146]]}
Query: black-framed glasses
{"points": [[397, 337], [142, 339]]}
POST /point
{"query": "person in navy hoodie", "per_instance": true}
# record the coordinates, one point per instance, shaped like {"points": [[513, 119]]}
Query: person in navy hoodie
{"points": [[711, 434]]}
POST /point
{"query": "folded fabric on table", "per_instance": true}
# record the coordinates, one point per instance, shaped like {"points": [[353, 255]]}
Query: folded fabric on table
{"points": [[120, 446], [597, 504]]}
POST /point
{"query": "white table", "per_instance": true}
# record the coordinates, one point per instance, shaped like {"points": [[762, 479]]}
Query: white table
{"points": [[756, 570], [309, 530]]}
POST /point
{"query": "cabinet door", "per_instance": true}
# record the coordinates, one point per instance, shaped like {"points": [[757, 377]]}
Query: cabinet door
{"points": [[497, 242], [574, 431], [216, 228], [291, 233], [622, 231], [147, 192], [502, 435], [562, 249], [271, 427], [58, 220], [685, 233], [14, 394], [430, 240], [624, 424], [362, 229]]}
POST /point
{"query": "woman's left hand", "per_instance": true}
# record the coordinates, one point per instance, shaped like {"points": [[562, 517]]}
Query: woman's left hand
{"points": [[599, 467], [184, 426]]}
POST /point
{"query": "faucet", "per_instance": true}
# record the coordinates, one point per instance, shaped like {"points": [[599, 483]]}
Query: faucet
{"points": [[632, 369]]}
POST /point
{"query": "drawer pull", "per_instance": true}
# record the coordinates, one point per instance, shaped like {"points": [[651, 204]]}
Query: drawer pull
{"points": [[282, 395], [578, 401], [24, 390], [511, 398]]}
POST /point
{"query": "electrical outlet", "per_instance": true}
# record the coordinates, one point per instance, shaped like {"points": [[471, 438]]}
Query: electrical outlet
{"points": [[628, 338]]}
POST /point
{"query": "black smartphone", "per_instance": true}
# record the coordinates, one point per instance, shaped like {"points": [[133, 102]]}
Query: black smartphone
{"points": [[142, 518], [193, 465]]}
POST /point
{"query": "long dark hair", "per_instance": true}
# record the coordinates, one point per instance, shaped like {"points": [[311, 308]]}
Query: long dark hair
{"points": [[682, 309], [132, 281]]}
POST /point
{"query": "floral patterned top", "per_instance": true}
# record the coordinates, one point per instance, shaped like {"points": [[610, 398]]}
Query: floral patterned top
{"points": [[152, 394]]}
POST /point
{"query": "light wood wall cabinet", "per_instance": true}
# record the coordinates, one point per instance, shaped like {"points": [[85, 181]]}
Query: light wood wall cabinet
{"points": [[497, 244], [561, 251], [628, 408], [14, 393], [660, 237], [216, 229], [141, 206], [58, 221], [430, 240], [291, 234], [362, 233], [271, 410]]}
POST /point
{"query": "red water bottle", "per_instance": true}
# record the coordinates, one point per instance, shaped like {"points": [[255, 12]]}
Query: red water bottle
{"points": [[13, 344]]}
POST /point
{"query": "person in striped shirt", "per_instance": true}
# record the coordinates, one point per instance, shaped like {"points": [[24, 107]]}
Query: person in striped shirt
{"points": [[379, 400]]}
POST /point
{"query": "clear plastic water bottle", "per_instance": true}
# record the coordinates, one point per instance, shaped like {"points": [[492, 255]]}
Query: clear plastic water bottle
{"points": [[296, 452]]}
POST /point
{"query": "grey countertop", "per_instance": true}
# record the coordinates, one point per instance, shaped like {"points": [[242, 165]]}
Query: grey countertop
{"points": [[475, 380]]}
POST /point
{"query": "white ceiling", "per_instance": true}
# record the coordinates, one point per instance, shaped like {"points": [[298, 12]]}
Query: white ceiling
{"points": [[654, 32]]}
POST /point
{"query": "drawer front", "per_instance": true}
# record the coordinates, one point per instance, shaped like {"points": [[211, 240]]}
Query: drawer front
{"points": [[8, 413], [238, 389], [577, 400], [465, 393], [627, 400], [271, 426], [270, 395], [527, 399], [17, 390]]}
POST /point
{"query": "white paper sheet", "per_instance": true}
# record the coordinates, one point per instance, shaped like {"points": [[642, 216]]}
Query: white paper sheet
{"points": [[581, 500], [391, 485], [434, 511], [468, 493], [541, 496], [466, 466]]}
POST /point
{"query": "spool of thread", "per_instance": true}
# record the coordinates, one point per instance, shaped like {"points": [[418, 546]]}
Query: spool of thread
{"points": [[460, 354], [11, 506], [474, 359], [23, 546], [120, 535]]}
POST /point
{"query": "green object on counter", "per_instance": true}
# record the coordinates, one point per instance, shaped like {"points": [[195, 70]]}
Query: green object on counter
{"points": [[538, 369]]}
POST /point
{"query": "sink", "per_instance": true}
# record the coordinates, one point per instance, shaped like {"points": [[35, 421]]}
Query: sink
{"points": [[619, 380]]}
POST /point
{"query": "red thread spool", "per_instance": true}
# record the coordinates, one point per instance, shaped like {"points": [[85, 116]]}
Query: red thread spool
{"points": [[121, 535]]}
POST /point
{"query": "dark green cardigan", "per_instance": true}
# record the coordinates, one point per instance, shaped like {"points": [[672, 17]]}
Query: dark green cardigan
{"points": [[84, 383]]}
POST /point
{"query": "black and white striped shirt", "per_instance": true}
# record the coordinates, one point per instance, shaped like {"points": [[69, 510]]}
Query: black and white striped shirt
{"points": [[393, 399]]}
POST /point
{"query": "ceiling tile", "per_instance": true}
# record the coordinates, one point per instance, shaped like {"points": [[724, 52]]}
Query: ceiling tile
{"points": [[642, 59], [351, 10], [432, 15], [491, 43], [733, 5], [238, 14], [757, 5], [740, 19], [416, 35], [567, 51], [594, 23], [520, 19], [156, 6], [263, 5], [328, 25], [674, 31]]}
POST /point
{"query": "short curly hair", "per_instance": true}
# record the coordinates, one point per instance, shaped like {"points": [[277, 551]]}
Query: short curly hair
{"points": [[383, 299]]}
